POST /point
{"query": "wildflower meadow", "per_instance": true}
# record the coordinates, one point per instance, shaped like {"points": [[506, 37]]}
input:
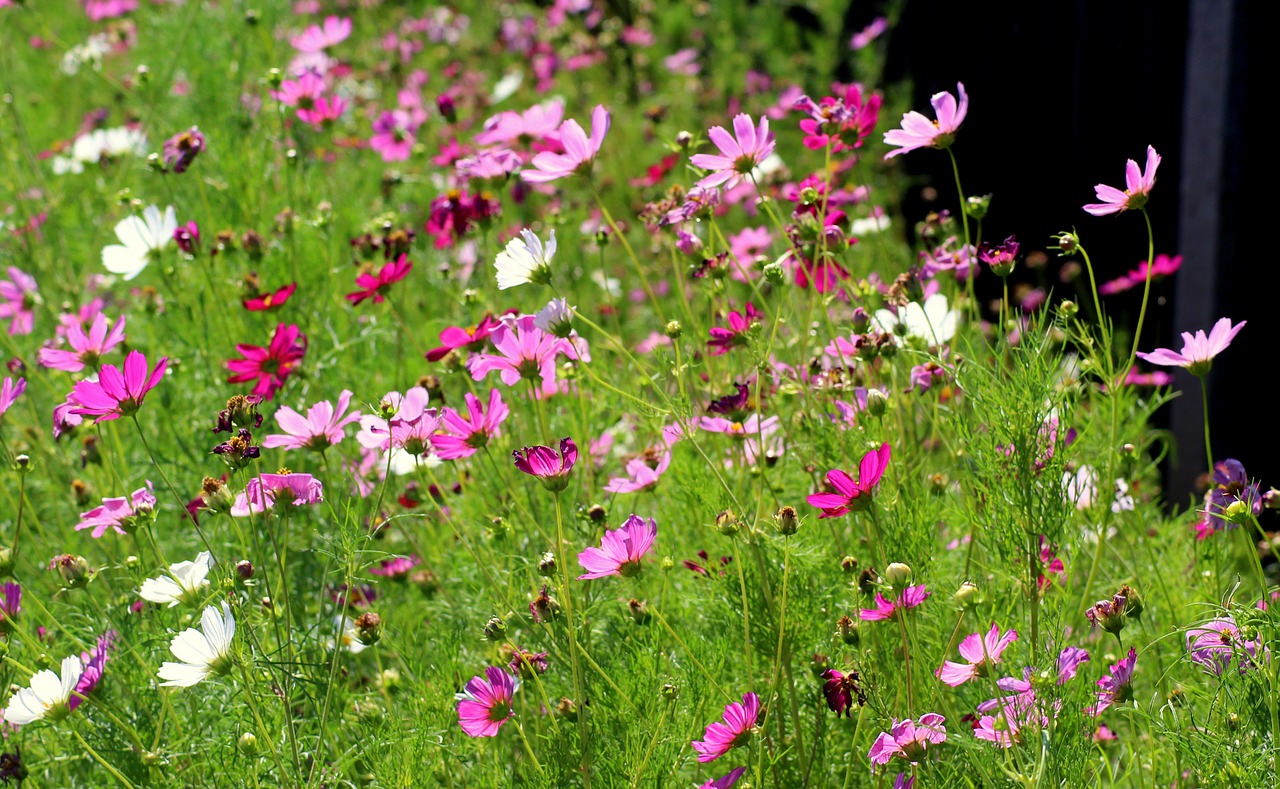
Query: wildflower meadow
{"points": [[557, 394]]}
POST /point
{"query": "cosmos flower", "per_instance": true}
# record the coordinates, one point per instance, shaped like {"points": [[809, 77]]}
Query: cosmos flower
{"points": [[48, 696], [269, 367], [1165, 266], [841, 690], [1198, 350], [201, 652], [640, 475], [485, 704], [317, 38], [739, 722], [119, 514], [1215, 644], [86, 349], [620, 550], [981, 652], [525, 260], [848, 495], [911, 597], [909, 739], [1116, 687], [115, 393], [406, 423], [933, 323], [740, 152], [376, 286], [184, 582], [321, 428], [462, 436], [525, 353], [140, 239], [1137, 189], [10, 391], [919, 132], [264, 491], [726, 781], [181, 149], [18, 295], [95, 664], [536, 123], [579, 150], [551, 468]]}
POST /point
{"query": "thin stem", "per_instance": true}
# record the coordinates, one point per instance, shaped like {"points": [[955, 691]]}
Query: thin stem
{"points": [[692, 656], [257, 717], [900, 615], [648, 751], [1204, 398], [98, 758], [746, 615], [1146, 293], [964, 220], [571, 627], [527, 748]]}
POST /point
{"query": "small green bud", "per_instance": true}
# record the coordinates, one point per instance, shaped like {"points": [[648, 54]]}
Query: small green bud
{"points": [[674, 330]]}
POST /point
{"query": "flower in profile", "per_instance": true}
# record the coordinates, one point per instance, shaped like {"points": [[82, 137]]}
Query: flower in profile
{"points": [[981, 652], [740, 152], [261, 302], [525, 260], [48, 696], [641, 474], [551, 468], [408, 425], [376, 286], [485, 704], [1110, 615], [842, 690], [86, 349], [1231, 496], [911, 597], [121, 514], [181, 149], [724, 339], [18, 293], [1137, 188], [459, 337], [10, 391], [201, 652], [10, 602], [396, 568], [847, 495], [266, 490], [726, 781], [579, 150], [1198, 350], [919, 132], [95, 663], [317, 38], [1216, 643], [321, 428], [620, 550], [536, 123], [462, 436], [183, 583], [1116, 687], [909, 739], [739, 722], [140, 238], [115, 393], [271, 366]]}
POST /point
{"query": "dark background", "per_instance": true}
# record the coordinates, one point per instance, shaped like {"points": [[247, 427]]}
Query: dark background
{"points": [[1061, 94]]}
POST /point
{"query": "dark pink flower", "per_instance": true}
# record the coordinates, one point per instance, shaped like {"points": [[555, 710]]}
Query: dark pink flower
{"points": [[405, 423], [620, 550], [849, 495], [720, 738], [394, 135], [980, 652], [1116, 686], [271, 366], [376, 286], [726, 781], [115, 393], [842, 690], [181, 149], [456, 337], [1165, 266], [270, 301], [461, 436], [317, 38], [525, 353], [397, 568], [10, 391], [724, 340], [86, 349], [485, 703], [1138, 186], [843, 122], [94, 663], [911, 597], [551, 468]]}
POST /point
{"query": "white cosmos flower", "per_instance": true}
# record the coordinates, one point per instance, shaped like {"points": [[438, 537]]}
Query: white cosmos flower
{"points": [[350, 638], [202, 652], [525, 260], [933, 323], [504, 88], [139, 238], [48, 695], [184, 581]]}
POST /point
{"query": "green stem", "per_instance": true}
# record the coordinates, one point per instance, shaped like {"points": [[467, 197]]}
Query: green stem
{"points": [[571, 626], [1146, 293], [98, 758]]}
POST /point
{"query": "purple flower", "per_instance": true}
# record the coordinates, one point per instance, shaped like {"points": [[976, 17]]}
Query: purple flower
{"points": [[551, 469], [11, 603], [181, 149], [95, 663], [1116, 685], [1230, 497], [10, 391], [1217, 642], [17, 300]]}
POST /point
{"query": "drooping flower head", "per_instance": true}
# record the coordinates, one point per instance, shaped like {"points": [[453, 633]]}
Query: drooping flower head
{"points": [[740, 152], [485, 704], [842, 690], [1137, 189], [739, 722], [121, 514], [1198, 350], [620, 550], [551, 468], [848, 495], [116, 393], [919, 132]]}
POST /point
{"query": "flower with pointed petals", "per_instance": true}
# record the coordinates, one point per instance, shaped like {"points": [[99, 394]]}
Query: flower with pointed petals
{"points": [[908, 739], [536, 123], [86, 349], [10, 391], [115, 393], [485, 704], [931, 323], [201, 652], [458, 337], [1116, 686], [408, 426], [525, 260], [120, 514], [579, 150], [270, 301], [981, 652], [1165, 266], [271, 366], [321, 428], [1137, 188], [620, 550], [525, 353], [1198, 350], [1215, 644], [848, 495], [95, 663], [640, 475], [462, 436], [184, 582], [376, 286], [740, 152], [140, 238], [551, 468], [17, 298], [911, 597], [317, 38], [396, 568], [266, 490], [739, 722], [49, 695], [919, 132], [724, 340], [394, 135]]}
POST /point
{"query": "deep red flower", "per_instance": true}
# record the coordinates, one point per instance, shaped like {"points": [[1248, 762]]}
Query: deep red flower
{"points": [[272, 365], [375, 286]]}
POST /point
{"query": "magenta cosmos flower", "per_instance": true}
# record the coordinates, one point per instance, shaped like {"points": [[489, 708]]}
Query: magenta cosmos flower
{"points": [[740, 152], [849, 495], [271, 366], [394, 135], [720, 738], [579, 150], [18, 293], [726, 781], [266, 490], [981, 652], [911, 597], [919, 132], [909, 739], [525, 352], [10, 391], [461, 436], [94, 664], [1165, 266], [1116, 687], [1137, 188], [1198, 351], [320, 429], [406, 423], [86, 349], [118, 513], [551, 469], [485, 704], [376, 286], [620, 550], [115, 393]]}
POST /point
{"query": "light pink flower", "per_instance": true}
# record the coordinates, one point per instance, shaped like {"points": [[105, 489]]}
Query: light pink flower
{"points": [[1137, 188], [525, 352], [720, 738], [394, 135], [409, 426], [116, 394], [620, 549], [579, 150], [1198, 351], [19, 297], [316, 38], [911, 597], [909, 739], [320, 429], [117, 513], [266, 490], [640, 475], [919, 132], [536, 123], [485, 703], [740, 152], [462, 436], [86, 349], [10, 391], [981, 652]]}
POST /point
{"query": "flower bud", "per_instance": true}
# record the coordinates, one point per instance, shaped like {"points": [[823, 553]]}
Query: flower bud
{"points": [[567, 709], [787, 521], [727, 523], [1271, 499], [368, 628], [547, 564], [639, 610], [247, 743], [22, 464], [684, 139], [897, 575], [1068, 309], [860, 320], [670, 692], [849, 565], [968, 595], [448, 110], [774, 273], [6, 562], [877, 403], [74, 570], [274, 78], [847, 629], [1068, 242], [244, 569], [673, 330], [977, 206], [495, 629]]}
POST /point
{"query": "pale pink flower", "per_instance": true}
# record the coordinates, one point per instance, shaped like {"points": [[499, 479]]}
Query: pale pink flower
{"points": [[118, 513], [409, 426], [1198, 350], [18, 293], [321, 428], [909, 739], [525, 352], [981, 652], [86, 349], [740, 152], [919, 132], [1138, 186], [579, 150], [317, 38], [536, 123], [640, 475], [10, 391], [620, 550], [266, 490]]}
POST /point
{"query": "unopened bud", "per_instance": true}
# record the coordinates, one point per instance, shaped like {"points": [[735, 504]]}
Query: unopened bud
{"points": [[877, 402], [247, 743], [674, 330], [1068, 242], [897, 575], [670, 692], [787, 521], [495, 629], [968, 595], [684, 139], [727, 523], [244, 569], [849, 565], [547, 564], [773, 272], [1068, 309], [847, 629], [639, 611], [369, 628]]}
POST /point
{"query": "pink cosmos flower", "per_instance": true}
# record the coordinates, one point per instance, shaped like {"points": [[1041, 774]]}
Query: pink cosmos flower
{"points": [[1197, 351], [86, 349], [551, 469], [1164, 266], [909, 739], [843, 123], [19, 297], [726, 781], [579, 150], [270, 366], [376, 286], [317, 38], [720, 738], [489, 164], [1137, 188], [396, 568], [266, 490], [1003, 729], [320, 429], [406, 423], [620, 549], [485, 704], [118, 513], [116, 394], [850, 495], [394, 135], [524, 128], [911, 597], [94, 664], [981, 652], [640, 475], [1116, 686], [270, 301], [462, 436], [919, 132], [724, 340], [740, 152], [1216, 643], [10, 391], [98, 10], [525, 352]]}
